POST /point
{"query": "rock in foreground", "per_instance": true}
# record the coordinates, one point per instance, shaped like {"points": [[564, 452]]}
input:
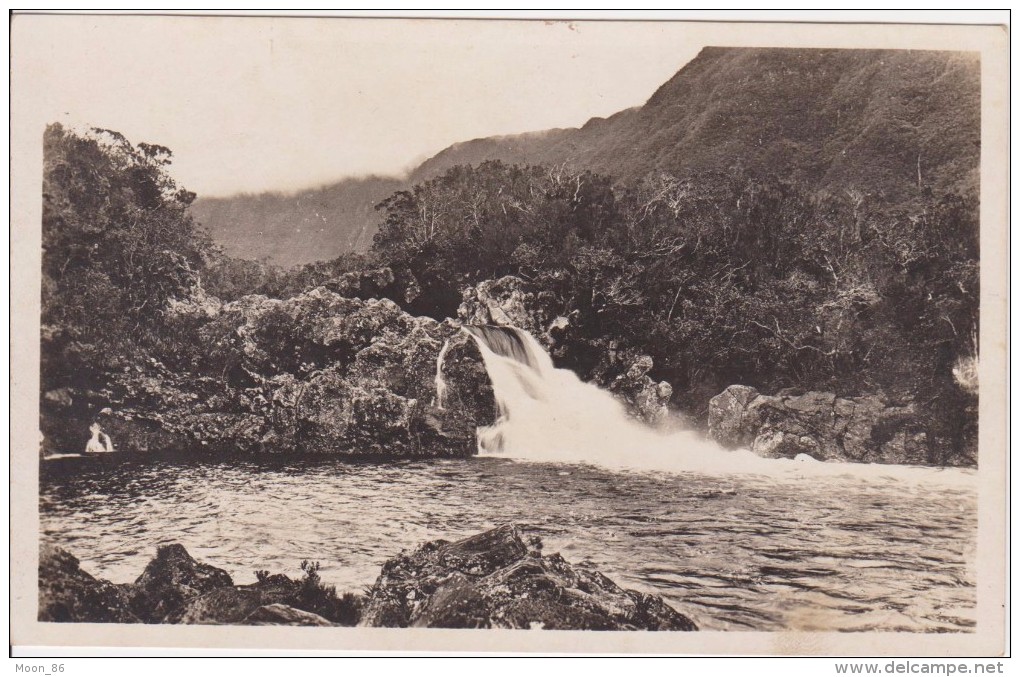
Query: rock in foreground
{"points": [[174, 588], [69, 595], [170, 580], [497, 580]]}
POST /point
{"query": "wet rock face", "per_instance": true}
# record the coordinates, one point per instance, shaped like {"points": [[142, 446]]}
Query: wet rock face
{"points": [[646, 399], [820, 425], [497, 579], [69, 595], [509, 301], [728, 423], [319, 373]]}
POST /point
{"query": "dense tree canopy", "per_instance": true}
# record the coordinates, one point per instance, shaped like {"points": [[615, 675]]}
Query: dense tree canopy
{"points": [[118, 245], [118, 241]]}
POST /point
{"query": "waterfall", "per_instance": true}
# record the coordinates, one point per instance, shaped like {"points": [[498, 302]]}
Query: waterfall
{"points": [[440, 381], [550, 415]]}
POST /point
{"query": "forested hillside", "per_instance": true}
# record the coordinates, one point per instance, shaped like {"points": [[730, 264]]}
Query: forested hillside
{"points": [[289, 229], [890, 124]]}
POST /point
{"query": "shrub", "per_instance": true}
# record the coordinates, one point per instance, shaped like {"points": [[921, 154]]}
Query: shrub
{"points": [[315, 597]]}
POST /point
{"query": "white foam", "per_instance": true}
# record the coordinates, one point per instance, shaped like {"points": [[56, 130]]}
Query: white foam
{"points": [[549, 415]]}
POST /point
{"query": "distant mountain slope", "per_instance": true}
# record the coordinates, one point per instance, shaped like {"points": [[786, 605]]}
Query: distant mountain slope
{"points": [[887, 122], [892, 124], [311, 225]]}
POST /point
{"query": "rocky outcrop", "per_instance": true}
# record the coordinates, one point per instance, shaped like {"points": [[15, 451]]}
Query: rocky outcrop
{"points": [[174, 588], [818, 424], [170, 580], [510, 301], [497, 579], [69, 595], [377, 283], [319, 372]]}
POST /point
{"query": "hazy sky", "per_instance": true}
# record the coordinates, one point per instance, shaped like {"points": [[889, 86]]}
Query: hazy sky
{"points": [[251, 104]]}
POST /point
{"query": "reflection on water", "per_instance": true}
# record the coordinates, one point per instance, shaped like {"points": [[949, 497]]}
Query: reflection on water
{"points": [[732, 552]]}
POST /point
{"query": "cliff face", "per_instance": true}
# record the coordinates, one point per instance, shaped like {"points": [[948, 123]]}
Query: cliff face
{"points": [[864, 429]]}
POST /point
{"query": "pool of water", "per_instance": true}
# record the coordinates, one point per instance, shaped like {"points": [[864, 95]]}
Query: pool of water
{"points": [[733, 552]]}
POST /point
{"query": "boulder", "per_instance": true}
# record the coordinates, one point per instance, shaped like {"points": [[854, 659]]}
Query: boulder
{"points": [[67, 594], [497, 579], [820, 425], [728, 423], [779, 444], [170, 580], [646, 399], [231, 605]]}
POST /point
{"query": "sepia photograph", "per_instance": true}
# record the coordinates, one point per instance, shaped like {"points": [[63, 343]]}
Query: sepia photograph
{"points": [[567, 336]]}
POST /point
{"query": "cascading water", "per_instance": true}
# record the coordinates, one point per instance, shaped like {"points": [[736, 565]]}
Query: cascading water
{"points": [[440, 381], [549, 414]]}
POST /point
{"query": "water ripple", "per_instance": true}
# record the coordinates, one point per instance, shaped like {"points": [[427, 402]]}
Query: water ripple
{"points": [[734, 553]]}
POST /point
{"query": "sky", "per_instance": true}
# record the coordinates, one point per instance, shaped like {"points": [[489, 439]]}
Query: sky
{"points": [[253, 104]]}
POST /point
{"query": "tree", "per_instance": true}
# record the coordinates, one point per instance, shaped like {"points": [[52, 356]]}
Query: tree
{"points": [[118, 245]]}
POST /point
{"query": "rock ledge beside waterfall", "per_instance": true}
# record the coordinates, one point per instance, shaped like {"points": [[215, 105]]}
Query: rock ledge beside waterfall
{"points": [[496, 579], [319, 373], [865, 429], [330, 372]]}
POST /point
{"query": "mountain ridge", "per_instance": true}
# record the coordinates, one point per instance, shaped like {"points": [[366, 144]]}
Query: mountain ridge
{"points": [[890, 124]]}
